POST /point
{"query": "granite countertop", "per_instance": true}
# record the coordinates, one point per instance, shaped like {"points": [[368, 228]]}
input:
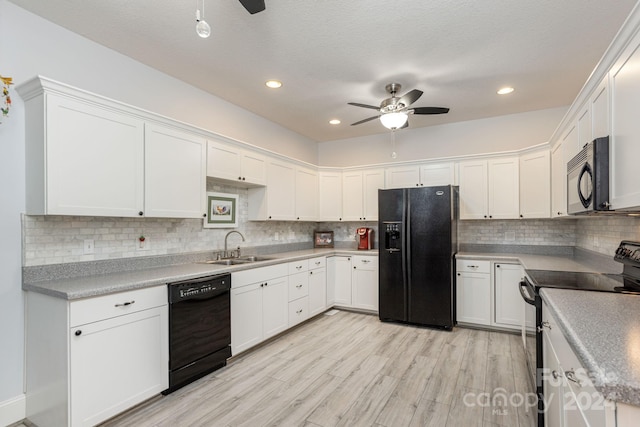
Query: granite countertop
{"points": [[603, 329], [102, 284], [580, 260]]}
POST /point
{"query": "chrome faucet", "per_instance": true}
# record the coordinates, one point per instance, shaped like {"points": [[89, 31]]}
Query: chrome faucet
{"points": [[226, 254]]}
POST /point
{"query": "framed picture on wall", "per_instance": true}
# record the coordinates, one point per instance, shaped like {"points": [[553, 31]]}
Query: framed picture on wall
{"points": [[222, 210], [323, 239]]}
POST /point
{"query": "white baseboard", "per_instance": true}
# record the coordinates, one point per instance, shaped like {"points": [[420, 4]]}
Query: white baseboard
{"points": [[13, 410]]}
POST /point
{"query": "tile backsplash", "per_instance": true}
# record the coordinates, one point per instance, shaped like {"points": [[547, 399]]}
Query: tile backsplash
{"points": [[604, 233], [546, 232]]}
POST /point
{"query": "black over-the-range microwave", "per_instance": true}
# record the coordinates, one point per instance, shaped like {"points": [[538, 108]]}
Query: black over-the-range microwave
{"points": [[588, 179]]}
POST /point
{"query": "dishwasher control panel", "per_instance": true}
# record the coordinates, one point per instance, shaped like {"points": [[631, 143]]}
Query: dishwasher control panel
{"points": [[200, 288]]}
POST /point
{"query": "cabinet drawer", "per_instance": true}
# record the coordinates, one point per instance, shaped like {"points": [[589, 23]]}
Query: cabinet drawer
{"points": [[298, 266], [319, 262], [474, 266], [364, 262], [105, 307], [247, 277], [298, 311], [298, 285]]}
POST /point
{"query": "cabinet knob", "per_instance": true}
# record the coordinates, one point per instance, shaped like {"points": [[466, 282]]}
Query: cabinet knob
{"points": [[269, 216], [458, 274], [243, 178], [239, 178], [204, 215], [340, 219], [140, 213], [78, 332], [297, 218], [490, 216], [311, 272], [559, 213], [521, 216], [485, 216], [354, 267], [498, 266], [417, 185]]}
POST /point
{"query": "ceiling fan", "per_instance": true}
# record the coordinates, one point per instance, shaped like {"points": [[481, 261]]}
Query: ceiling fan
{"points": [[253, 6], [394, 111]]}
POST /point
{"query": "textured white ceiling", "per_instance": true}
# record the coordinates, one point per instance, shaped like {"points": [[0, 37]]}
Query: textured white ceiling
{"points": [[330, 52]]}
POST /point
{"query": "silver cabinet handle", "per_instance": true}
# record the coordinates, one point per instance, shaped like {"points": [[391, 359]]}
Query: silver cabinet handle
{"points": [[298, 286], [298, 267], [318, 263], [571, 376], [365, 260], [473, 266], [124, 304], [299, 311]]}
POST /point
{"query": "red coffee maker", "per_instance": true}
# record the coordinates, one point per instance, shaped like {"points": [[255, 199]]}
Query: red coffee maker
{"points": [[364, 237]]}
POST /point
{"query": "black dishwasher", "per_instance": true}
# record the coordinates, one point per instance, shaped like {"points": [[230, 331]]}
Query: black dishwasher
{"points": [[199, 328]]}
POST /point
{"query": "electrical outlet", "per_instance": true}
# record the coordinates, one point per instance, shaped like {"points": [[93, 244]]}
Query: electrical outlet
{"points": [[88, 247], [276, 236], [143, 245], [292, 235]]}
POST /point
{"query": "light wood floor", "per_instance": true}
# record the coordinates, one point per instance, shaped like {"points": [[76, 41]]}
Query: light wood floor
{"points": [[350, 369]]}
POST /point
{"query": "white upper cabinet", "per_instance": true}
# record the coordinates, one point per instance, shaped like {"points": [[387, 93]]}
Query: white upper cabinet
{"points": [[535, 185], [584, 128], [474, 201], [82, 158], [570, 142], [360, 194], [424, 175], [600, 110], [558, 181], [276, 201], [504, 202], [330, 197], [225, 161], [625, 128], [175, 173], [489, 188], [306, 194]]}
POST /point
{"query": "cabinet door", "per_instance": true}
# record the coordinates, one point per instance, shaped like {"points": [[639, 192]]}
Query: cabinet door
{"points": [[306, 194], [473, 298], [330, 196], [94, 162], [117, 363], [437, 174], [317, 291], [535, 185], [372, 181], [558, 182], [352, 197], [364, 283], [600, 110], [253, 168], [504, 188], [553, 380], [223, 161], [570, 142], [473, 190], [331, 279], [175, 173], [280, 189], [246, 317], [509, 304], [402, 177], [585, 134], [275, 307], [342, 280], [625, 128]]}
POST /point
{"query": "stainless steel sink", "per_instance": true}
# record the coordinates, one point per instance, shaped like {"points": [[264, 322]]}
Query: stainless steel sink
{"points": [[237, 261]]}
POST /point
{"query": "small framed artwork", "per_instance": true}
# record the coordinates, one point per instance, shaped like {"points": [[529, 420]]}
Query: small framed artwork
{"points": [[323, 239], [222, 210]]}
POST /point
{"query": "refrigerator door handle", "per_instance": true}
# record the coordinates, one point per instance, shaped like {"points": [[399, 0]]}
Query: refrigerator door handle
{"points": [[390, 250]]}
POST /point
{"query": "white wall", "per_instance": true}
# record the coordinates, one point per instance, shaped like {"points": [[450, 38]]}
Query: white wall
{"points": [[495, 134]]}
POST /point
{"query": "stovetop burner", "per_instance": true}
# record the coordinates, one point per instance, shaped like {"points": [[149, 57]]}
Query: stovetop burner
{"points": [[628, 253]]}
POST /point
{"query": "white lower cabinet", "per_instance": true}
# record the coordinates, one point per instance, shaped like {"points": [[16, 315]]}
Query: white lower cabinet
{"points": [[259, 305], [317, 286], [340, 276], [89, 360], [571, 398], [509, 305], [364, 282], [298, 296], [473, 296]]}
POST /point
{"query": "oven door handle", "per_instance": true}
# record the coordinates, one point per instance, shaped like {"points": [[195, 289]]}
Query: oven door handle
{"points": [[525, 297]]}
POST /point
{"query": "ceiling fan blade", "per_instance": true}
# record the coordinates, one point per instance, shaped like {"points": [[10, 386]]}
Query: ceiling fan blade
{"points": [[430, 110], [355, 104], [365, 120], [410, 97], [253, 6]]}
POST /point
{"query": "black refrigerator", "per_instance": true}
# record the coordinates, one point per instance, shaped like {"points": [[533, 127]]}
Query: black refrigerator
{"points": [[418, 242]]}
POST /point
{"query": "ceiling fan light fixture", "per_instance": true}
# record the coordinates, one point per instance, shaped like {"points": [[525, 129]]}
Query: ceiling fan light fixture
{"points": [[394, 120], [273, 84], [334, 122], [202, 28], [505, 90]]}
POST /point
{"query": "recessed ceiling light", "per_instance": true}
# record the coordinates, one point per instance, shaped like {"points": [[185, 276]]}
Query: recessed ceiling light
{"points": [[505, 90], [334, 121], [273, 84]]}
